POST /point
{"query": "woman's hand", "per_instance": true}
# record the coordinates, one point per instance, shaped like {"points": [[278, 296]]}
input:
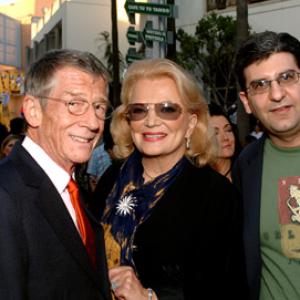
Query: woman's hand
{"points": [[126, 285]]}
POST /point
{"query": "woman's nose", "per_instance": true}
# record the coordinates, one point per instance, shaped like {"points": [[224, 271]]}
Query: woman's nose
{"points": [[151, 118]]}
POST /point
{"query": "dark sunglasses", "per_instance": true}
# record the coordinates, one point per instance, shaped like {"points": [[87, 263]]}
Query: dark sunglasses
{"points": [[165, 110]]}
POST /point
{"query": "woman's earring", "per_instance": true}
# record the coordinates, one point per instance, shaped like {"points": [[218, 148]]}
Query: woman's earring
{"points": [[188, 142]]}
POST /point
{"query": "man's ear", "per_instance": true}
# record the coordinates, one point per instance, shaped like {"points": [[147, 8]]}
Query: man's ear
{"points": [[245, 101], [32, 111]]}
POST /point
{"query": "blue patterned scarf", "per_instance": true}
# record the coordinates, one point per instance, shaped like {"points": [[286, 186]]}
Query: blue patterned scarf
{"points": [[129, 204]]}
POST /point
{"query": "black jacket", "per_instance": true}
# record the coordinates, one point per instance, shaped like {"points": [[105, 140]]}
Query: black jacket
{"points": [[247, 176], [191, 245]]}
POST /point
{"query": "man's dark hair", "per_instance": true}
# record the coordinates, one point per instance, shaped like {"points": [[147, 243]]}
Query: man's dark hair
{"points": [[39, 78], [216, 110], [260, 46]]}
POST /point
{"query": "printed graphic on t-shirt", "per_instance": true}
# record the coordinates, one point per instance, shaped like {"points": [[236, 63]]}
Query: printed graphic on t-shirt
{"points": [[289, 215]]}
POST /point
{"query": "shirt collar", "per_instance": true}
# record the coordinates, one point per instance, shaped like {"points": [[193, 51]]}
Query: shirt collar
{"points": [[57, 175]]}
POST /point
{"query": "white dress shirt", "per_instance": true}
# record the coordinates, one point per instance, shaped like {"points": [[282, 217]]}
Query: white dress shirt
{"points": [[59, 177]]}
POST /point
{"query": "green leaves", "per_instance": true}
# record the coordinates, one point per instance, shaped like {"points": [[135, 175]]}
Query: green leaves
{"points": [[209, 54]]}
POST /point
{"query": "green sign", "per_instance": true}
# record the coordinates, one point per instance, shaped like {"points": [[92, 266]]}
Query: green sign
{"points": [[165, 10], [132, 55], [133, 36], [151, 35], [155, 35]]}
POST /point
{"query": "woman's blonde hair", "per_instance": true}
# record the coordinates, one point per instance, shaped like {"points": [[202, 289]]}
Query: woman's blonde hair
{"points": [[201, 150]]}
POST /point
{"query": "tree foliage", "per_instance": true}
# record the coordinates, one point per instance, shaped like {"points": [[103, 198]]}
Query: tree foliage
{"points": [[209, 54]]}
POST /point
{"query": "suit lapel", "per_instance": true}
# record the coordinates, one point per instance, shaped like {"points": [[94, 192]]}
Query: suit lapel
{"points": [[252, 193], [53, 208], [101, 264]]}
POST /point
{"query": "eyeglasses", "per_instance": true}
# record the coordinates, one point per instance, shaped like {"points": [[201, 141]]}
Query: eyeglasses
{"points": [[263, 85], [165, 110], [78, 107]]}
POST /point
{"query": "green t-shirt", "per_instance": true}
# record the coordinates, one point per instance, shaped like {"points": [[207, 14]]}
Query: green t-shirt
{"points": [[280, 223]]}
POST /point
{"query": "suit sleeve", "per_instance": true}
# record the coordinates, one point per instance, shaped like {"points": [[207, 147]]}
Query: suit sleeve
{"points": [[236, 176], [12, 250]]}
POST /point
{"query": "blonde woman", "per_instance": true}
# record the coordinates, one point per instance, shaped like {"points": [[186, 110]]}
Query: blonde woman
{"points": [[171, 223]]}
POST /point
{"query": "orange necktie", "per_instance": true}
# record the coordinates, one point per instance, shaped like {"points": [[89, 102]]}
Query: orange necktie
{"points": [[84, 226]]}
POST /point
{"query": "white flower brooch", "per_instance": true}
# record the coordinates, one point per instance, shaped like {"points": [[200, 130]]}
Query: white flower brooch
{"points": [[125, 205]]}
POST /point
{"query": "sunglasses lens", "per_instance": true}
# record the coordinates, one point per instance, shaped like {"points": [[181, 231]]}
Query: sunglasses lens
{"points": [[168, 110], [164, 110], [136, 112]]}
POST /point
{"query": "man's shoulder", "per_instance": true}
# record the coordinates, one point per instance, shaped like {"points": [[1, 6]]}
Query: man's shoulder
{"points": [[7, 170], [249, 161], [252, 150], [11, 186], [19, 167]]}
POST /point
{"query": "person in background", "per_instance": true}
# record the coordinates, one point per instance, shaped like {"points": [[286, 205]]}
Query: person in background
{"points": [[17, 126], [108, 140], [256, 132], [50, 248], [172, 224], [267, 172], [102, 157], [3, 132], [8, 144], [98, 163], [226, 138]]}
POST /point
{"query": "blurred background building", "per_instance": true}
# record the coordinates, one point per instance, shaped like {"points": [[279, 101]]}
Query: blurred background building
{"points": [[15, 44], [276, 15], [28, 28]]}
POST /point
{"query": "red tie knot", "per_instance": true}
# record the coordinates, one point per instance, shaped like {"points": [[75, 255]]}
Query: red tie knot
{"points": [[72, 186]]}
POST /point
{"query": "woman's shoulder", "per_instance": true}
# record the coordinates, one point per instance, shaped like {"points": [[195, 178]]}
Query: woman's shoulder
{"points": [[205, 173], [205, 181]]}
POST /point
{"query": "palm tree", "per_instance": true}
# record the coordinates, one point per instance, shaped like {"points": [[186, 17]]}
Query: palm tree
{"points": [[171, 26], [243, 120], [115, 55], [242, 20]]}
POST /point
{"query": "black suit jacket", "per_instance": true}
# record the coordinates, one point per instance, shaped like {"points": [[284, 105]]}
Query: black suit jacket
{"points": [[191, 246], [41, 253], [247, 175]]}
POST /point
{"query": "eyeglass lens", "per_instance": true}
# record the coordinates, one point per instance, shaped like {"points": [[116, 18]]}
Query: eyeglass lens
{"points": [[78, 107], [165, 110], [284, 79]]}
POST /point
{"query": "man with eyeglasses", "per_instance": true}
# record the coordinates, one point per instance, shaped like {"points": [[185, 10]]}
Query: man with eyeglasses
{"points": [[50, 247], [268, 170]]}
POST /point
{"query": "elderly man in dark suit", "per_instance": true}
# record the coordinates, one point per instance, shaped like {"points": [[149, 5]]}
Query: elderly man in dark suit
{"points": [[50, 248]]}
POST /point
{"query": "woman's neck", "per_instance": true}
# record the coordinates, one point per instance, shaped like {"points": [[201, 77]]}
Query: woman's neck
{"points": [[154, 167], [223, 166]]}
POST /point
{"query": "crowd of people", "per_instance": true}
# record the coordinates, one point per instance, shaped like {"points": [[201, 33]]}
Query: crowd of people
{"points": [[176, 209]]}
